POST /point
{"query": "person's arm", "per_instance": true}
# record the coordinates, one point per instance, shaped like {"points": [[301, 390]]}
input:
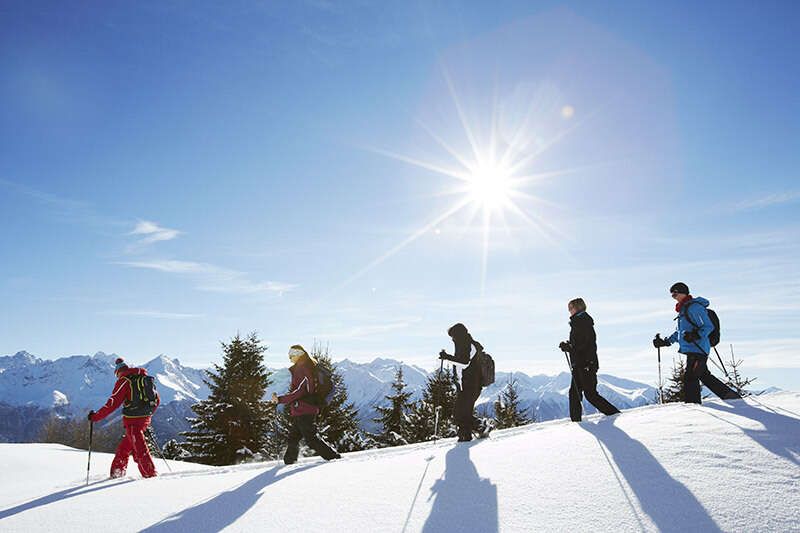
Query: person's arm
{"points": [[304, 388], [699, 318], [672, 338], [122, 390]]}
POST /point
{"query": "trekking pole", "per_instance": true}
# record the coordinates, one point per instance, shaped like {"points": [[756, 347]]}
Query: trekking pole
{"points": [[89, 462], [660, 382], [722, 363], [153, 440], [438, 408], [569, 363]]}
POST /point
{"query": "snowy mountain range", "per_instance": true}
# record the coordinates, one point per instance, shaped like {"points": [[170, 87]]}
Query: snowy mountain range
{"points": [[31, 389]]}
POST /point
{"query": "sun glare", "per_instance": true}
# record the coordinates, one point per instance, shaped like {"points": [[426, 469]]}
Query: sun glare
{"points": [[490, 187]]}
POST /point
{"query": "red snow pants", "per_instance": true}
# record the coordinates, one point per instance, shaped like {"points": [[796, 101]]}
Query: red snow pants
{"points": [[133, 442]]}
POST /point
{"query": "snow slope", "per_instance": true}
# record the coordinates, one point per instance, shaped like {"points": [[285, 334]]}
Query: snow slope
{"points": [[723, 466]]}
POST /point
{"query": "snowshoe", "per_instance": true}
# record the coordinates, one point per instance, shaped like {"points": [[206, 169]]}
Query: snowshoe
{"points": [[486, 427]]}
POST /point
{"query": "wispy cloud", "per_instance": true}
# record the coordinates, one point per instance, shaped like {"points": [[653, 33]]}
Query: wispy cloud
{"points": [[769, 200], [214, 278], [152, 233], [75, 211], [153, 314]]}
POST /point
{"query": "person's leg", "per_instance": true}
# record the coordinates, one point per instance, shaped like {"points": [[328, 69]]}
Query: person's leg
{"points": [[715, 385], [463, 416], [293, 444], [575, 408], [589, 384], [141, 452], [309, 430], [120, 463], [691, 380]]}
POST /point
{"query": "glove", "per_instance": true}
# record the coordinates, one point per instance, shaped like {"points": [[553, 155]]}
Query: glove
{"points": [[89, 416], [565, 346], [658, 342], [442, 355], [691, 336]]}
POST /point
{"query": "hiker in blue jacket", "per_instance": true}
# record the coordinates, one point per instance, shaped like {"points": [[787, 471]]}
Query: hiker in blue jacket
{"points": [[691, 334]]}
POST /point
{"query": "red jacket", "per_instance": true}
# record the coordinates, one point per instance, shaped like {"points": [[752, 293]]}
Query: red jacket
{"points": [[302, 385], [122, 392]]}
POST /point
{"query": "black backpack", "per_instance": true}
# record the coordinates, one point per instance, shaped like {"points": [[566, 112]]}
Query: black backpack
{"points": [[323, 386], [713, 337], [144, 396], [487, 368]]}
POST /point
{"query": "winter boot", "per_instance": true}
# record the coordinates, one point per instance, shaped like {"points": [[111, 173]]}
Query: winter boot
{"points": [[485, 428]]}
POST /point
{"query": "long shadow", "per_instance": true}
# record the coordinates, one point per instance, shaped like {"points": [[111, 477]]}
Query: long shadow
{"points": [[58, 496], [669, 504], [464, 501], [776, 436], [224, 509]]}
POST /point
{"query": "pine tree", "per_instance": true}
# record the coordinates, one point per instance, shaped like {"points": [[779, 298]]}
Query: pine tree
{"points": [[394, 417], [338, 419], [735, 379], [232, 423], [174, 451], [440, 391], [507, 413], [674, 389]]}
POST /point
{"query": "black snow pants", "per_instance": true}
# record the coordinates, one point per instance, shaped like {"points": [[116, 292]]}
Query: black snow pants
{"points": [[464, 412], [584, 383], [303, 427], [697, 371]]}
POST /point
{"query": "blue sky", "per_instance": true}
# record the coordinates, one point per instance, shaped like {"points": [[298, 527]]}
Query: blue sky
{"points": [[172, 173]]}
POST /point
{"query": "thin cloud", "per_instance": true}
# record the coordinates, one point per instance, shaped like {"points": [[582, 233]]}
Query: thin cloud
{"points": [[152, 232], [153, 314], [769, 200], [214, 278]]}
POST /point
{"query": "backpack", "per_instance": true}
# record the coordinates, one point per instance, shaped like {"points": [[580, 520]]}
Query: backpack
{"points": [[487, 368], [144, 396], [713, 337], [323, 386]]}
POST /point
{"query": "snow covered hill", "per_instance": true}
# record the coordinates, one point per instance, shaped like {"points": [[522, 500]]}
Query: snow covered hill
{"points": [[723, 466], [32, 388]]}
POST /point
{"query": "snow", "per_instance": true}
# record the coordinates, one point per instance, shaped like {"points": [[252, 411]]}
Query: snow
{"points": [[723, 466]]}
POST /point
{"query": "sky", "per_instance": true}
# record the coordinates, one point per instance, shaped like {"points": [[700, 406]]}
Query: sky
{"points": [[367, 174]]}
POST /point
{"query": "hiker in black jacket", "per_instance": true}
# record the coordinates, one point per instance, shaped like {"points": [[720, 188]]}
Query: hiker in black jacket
{"points": [[470, 390], [582, 347]]}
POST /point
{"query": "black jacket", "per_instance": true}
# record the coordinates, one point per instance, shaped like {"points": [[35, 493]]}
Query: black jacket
{"points": [[471, 375], [583, 340]]}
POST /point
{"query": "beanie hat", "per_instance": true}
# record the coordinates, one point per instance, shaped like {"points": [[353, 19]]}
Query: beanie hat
{"points": [[680, 288], [119, 364]]}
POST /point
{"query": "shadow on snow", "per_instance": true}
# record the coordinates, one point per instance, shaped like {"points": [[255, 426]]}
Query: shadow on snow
{"points": [[224, 509], [776, 428], [59, 496], [669, 504], [464, 501]]}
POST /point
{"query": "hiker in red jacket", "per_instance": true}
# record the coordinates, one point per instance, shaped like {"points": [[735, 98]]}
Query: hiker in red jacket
{"points": [[136, 413], [303, 408]]}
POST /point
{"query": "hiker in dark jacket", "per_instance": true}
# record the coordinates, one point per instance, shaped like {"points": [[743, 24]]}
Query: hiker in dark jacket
{"points": [[464, 409], [582, 347], [692, 332], [303, 408]]}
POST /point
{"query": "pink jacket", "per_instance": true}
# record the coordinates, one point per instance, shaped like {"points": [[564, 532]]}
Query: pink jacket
{"points": [[302, 385]]}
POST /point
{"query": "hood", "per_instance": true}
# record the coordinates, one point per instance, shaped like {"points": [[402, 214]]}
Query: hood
{"points": [[701, 301], [583, 316]]}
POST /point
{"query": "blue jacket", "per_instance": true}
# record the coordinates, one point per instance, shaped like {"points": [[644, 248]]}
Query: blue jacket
{"points": [[696, 308]]}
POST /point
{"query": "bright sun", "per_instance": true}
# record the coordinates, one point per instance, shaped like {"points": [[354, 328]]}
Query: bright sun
{"points": [[490, 186]]}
